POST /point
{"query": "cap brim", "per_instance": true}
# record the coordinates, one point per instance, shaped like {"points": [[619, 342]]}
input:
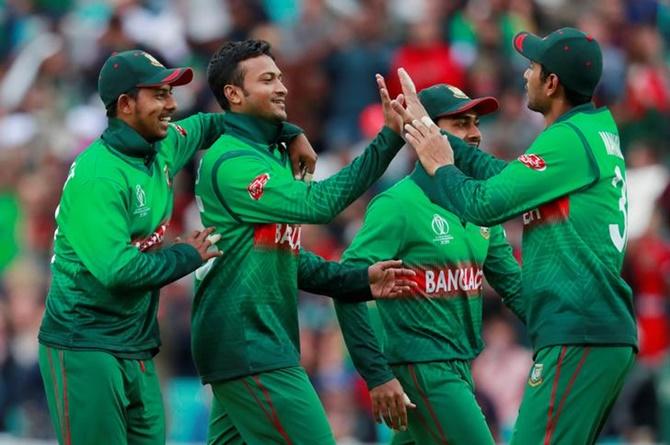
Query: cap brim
{"points": [[528, 45], [481, 105], [173, 77]]}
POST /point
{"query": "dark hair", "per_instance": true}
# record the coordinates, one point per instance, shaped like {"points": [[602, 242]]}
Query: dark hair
{"points": [[224, 69], [111, 108], [574, 98]]}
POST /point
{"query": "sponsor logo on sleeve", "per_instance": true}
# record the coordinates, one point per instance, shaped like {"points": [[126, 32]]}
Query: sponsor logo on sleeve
{"points": [[181, 130], [533, 161], [257, 187]]}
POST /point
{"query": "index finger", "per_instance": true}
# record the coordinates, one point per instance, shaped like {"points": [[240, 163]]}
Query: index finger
{"points": [[406, 82]]}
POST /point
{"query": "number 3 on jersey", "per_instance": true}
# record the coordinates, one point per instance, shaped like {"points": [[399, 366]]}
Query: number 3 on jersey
{"points": [[618, 238]]}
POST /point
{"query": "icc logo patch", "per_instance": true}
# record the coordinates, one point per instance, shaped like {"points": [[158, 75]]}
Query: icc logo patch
{"points": [[257, 187], [440, 227], [536, 375]]}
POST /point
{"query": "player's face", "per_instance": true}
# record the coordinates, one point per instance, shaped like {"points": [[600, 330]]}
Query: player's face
{"points": [[537, 100], [464, 125], [263, 92], [150, 113]]}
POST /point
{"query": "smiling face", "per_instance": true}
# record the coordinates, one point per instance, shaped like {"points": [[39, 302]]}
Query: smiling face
{"points": [[262, 93], [150, 112], [463, 125]]}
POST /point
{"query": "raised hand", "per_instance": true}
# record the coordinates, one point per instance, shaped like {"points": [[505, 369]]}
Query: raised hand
{"points": [[202, 240], [412, 109], [389, 279], [391, 118], [390, 403], [432, 148]]}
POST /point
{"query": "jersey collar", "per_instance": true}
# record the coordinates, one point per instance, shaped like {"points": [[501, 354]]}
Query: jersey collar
{"points": [[124, 138], [574, 110], [252, 128]]}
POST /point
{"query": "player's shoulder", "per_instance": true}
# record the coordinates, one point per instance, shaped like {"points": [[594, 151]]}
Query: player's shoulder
{"points": [[98, 163], [395, 197]]}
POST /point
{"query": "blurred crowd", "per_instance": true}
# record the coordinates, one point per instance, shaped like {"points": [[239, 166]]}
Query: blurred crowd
{"points": [[329, 50]]}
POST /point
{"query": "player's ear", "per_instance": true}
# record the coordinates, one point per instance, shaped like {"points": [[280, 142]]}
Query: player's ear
{"points": [[125, 105], [233, 94], [552, 84]]}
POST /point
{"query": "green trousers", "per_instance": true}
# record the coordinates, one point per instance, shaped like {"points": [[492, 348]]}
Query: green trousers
{"points": [[569, 394], [275, 407], [446, 410], [96, 398]]}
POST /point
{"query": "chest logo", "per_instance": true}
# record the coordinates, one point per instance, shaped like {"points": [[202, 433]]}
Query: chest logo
{"points": [[440, 227], [141, 197], [536, 375], [485, 232], [533, 161], [257, 187]]}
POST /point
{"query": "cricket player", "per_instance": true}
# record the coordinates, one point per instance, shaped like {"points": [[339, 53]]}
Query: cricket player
{"points": [[431, 337], [570, 189], [99, 332], [245, 318]]}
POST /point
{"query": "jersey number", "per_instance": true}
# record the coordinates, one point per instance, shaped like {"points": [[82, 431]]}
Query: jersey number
{"points": [[617, 237]]}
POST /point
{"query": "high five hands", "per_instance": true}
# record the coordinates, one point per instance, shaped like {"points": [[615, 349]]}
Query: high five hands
{"points": [[419, 130]]}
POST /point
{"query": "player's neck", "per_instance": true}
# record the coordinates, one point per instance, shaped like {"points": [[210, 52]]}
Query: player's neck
{"points": [[557, 108]]}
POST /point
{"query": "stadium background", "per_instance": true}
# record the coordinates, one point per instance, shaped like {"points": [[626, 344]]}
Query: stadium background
{"points": [[329, 50]]}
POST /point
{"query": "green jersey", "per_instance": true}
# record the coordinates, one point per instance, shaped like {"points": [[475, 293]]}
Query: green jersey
{"points": [[570, 187], [113, 214], [245, 317], [442, 320]]}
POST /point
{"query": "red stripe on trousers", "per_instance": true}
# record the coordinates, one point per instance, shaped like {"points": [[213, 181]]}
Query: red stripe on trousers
{"points": [[52, 370], [67, 437], [547, 431], [275, 417], [567, 391], [427, 402]]}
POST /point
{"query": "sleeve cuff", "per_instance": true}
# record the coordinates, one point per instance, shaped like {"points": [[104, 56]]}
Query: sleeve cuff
{"points": [[193, 259], [289, 132], [394, 140]]}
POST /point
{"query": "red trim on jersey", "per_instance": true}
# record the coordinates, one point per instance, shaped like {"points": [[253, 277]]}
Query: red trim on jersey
{"points": [[142, 367], [428, 404], [275, 416], [67, 436], [568, 389], [548, 429]]}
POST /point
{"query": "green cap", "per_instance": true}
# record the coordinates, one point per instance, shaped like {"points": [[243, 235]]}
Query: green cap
{"points": [[569, 53], [444, 100], [130, 69]]}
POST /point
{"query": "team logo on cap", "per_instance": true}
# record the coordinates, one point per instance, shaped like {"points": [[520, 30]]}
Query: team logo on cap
{"points": [[533, 161], [257, 187], [153, 60], [457, 92]]}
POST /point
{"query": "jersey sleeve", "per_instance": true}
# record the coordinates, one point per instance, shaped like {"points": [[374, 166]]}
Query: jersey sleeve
{"points": [[98, 232], [472, 161], [503, 272], [341, 282], [194, 133], [377, 240], [254, 192], [557, 164]]}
